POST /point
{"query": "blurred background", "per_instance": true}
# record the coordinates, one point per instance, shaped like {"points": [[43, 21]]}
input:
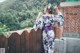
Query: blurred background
{"points": [[20, 14]]}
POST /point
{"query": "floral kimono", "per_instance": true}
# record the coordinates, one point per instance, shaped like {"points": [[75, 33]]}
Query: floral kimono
{"points": [[46, 23], [59, 19]]}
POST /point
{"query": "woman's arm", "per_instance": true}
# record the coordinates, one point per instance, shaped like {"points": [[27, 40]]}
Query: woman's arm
{"points": [[39, 15], [39, 22]]}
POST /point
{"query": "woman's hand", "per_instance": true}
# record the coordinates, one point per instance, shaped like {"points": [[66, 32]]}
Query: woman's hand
{"points": [[55, 24], [39, 15]]}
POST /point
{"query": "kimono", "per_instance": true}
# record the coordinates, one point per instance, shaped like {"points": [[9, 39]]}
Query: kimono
{"points": [[59, 30], [46, 23], [60, 19]]}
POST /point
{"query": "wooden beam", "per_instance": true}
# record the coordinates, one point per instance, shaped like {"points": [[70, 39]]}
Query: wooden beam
{"points": [[67, 4]]}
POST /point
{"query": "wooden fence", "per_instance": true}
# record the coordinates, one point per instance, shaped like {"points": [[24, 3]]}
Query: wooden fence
{"points": [[25, 43], [71, 18], [32, 42]]}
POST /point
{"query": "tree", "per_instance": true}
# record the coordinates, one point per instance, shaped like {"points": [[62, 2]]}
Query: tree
{"points": [[19, 14], [3, 28]]}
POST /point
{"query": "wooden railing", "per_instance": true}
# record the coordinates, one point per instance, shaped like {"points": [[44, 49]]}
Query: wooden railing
{"points": [[25, 43]]}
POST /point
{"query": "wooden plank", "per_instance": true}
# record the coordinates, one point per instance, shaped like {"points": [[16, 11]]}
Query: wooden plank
{"points": [[27, 41], [4, 43], [14, 43], [69, 4], [34, 41], [39, 43], [31, 41], [23, 42]]}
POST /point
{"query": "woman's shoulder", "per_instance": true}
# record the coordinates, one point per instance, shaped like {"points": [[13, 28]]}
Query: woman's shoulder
{"points": [[47, 15], [43, 16]]}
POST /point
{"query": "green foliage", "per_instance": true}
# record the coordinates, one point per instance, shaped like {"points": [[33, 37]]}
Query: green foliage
{"points": [[20, 14], [27, 23], [3, 28]]}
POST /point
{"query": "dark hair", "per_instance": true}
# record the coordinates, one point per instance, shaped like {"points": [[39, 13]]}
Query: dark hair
{"points": [[50, 9]]}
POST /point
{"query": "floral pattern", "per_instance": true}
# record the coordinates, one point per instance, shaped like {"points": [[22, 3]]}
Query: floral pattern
{"points": [[46, 23]]}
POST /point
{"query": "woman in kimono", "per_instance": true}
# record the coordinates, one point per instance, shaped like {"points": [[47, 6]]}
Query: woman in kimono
{"points": [[46, 23]]}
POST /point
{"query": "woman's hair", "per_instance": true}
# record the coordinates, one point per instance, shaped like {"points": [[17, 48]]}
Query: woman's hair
{"points": [[49, 9]]}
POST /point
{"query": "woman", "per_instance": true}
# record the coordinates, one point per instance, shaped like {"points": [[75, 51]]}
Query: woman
{"points": [[46, 22]]}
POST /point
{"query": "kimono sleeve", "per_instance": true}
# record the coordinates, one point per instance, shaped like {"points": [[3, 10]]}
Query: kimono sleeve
{"points": [[60, 20], [39, 23]]}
